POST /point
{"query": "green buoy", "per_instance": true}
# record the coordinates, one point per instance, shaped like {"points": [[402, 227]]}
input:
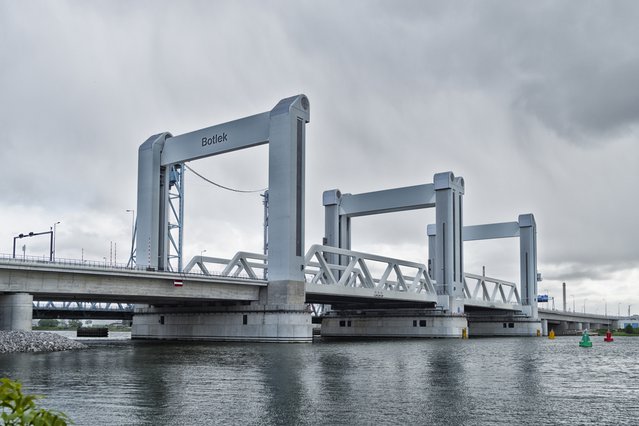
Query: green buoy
{"points": [[585, 340]]}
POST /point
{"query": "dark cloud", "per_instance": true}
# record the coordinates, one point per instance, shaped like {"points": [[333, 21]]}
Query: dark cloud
{"points": [[532, 103]]}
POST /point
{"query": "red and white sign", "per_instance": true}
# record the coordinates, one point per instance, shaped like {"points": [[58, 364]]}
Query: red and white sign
{"points": [[178, 283]]}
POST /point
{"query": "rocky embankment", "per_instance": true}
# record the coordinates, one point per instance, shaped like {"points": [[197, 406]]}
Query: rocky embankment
{"points": [[34, 341]]}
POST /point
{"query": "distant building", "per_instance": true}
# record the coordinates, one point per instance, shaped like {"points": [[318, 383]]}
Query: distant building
{"points": [[633, 321]]}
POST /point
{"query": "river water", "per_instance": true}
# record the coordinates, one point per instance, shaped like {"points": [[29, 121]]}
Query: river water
{"points": [[509, 381]]}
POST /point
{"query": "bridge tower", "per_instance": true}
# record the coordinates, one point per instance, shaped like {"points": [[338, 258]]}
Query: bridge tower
{"points": [[526, 322], [445, 194], [279, 314]]}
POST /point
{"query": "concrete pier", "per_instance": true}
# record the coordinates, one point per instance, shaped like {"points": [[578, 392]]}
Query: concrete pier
{"points": [[16, 311], [392, 324], [504, 326], [246, 323]]}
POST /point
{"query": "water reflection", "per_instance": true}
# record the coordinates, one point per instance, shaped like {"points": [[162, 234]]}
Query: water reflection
{"points": [[481, 381]]}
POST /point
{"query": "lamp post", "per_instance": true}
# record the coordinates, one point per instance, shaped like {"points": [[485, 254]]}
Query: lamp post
{"points": [[53, 249], [585, 300], [201, 253]]}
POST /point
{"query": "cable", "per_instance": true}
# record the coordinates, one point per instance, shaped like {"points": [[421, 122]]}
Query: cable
{"points": [[222, 186]]}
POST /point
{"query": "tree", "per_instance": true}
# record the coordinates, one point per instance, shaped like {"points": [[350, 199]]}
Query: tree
{"points": [[628, 329], [75, 324], [19, 409], [48, 323]]}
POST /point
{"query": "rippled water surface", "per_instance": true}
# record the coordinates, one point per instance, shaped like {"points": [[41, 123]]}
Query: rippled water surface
{"points": [[510, 381]]}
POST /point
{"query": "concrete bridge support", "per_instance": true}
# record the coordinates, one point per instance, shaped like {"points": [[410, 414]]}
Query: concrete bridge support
{"points": [[544, 327], [509, 325], [16, 311]]}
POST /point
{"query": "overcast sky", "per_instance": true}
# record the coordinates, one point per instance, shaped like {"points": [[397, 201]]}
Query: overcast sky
{"points": [[535, 104]]}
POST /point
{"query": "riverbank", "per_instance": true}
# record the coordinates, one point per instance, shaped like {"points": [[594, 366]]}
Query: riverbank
{"points": [[34, 341]]}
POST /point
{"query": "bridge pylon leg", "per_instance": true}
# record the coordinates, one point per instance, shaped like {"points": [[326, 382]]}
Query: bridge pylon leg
{"points": [[16, 311]]}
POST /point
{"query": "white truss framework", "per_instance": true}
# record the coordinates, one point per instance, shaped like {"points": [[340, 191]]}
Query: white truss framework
{"points": [[398, 275], [491, 290], [367, 272], [243, 264]]}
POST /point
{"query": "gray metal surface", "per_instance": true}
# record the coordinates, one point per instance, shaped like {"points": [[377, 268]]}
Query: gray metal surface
{"points": [[445, 194], [283, 128]]}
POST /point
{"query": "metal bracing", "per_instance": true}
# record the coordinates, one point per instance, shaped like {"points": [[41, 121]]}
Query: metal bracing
{"points": [[243, 264], [83, 306], [398, 275], [175, 217], [491, 290], [131, 262]]}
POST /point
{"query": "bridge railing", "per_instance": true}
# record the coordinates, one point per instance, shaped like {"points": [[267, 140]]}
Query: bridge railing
{"points": [[112, 266], [323, 267], [493, 290], [243, 264]]}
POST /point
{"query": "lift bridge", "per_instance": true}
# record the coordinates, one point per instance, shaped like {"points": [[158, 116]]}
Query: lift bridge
{"points": [[265, 297]]}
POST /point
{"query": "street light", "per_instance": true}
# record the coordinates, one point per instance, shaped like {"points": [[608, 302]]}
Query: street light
{"points": [[201, 253], [585, 300], [53, 250]]}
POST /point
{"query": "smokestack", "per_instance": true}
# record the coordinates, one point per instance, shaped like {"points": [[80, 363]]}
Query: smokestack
{"points": [[564, 290]]}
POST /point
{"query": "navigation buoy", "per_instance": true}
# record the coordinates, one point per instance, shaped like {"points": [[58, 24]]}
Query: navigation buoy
{"points": [[608, 337], [551, 335], [585, 340]]}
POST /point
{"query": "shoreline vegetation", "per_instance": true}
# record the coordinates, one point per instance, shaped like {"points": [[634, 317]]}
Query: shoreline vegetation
{"points": [[61, 325]]}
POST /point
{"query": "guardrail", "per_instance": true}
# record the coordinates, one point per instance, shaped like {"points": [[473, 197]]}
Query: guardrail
{"points": [[105, 266], [491, 290]]}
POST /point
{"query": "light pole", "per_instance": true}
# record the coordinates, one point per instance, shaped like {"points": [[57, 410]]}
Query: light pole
{"points": [[53, 250], [573, 302], [585, 300], [201, 253]]}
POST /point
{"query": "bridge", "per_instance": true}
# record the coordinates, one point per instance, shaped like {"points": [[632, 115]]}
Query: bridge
{"points": [[269, 296]]}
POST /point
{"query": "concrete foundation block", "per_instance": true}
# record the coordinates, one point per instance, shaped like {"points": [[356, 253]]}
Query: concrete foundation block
{"points": [[512, 327], [16, 311], [243, 324], [415, 326]]}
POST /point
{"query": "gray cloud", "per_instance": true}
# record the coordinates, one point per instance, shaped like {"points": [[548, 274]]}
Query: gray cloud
{"points": [[532, 104]]}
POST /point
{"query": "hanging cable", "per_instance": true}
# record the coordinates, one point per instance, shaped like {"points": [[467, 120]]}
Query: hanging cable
{"points": [[222, 186]]}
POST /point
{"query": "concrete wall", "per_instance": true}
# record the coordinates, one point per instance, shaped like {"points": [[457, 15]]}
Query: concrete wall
{"points": [[389, 326], [239, 323], [506, 327]]}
